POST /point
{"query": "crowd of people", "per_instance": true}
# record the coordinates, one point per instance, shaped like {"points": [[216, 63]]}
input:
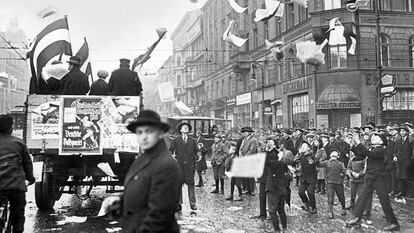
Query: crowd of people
{"points": [[362, 159]]}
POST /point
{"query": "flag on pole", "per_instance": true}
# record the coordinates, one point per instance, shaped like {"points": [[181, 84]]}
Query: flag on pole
{"points": [[88, 72], [83, 53], [141, 59], [52, 41]]}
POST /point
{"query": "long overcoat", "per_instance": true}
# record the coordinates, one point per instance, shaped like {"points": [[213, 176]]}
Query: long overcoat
{"points": [[186, 154], [74, 83], [124, 82], [151, 193], [404, 155]]}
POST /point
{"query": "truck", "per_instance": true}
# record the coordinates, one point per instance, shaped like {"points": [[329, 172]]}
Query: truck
{"points": [[78, 143]]}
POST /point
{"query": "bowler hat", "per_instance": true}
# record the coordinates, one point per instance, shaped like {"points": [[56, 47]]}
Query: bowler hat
{"points": [[179, 126], [124, 61], [6, 122], [246, 129], [148, 117], [75, 60]]}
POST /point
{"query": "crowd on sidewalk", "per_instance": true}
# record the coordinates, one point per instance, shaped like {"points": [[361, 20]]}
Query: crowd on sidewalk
{"points": [[363, 159]]}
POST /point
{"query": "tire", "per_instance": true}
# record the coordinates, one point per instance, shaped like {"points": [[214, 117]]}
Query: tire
{"points": [[45, 193]]}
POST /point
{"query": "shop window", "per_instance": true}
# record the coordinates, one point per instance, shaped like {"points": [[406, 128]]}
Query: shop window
{"points": [[331, 4], [385, 52], [411, 51], [300, 111], [402, 100], [338, 56]]}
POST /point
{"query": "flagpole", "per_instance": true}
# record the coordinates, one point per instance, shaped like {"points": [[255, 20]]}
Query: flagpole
{"points": [[70, 41]]}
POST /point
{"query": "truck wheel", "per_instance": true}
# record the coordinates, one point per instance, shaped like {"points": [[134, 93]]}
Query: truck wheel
{"points": [[44, 193]]}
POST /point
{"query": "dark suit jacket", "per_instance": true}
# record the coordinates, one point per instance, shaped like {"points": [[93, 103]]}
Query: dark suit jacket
{"points": [[376, 159], [404, 155], [74, 83], [289, 145], [100, 87], [308, 165], [151, 194], [298, 143], [186, 156], [54, 86], [124, 82]]}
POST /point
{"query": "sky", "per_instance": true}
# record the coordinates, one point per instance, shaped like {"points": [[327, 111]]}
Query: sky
{"points": [[114, 29]]}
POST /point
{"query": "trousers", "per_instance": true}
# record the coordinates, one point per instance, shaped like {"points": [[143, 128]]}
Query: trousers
{"points": [[307, 193], [262, 198], [277, 210], [339, 190], [17, 200], [356, 189], [376, 183], [191, 194]]}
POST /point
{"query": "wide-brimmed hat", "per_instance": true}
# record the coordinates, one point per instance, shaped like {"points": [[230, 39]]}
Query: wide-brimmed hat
{"points": [[75, 60], [148, 117], [6, 122], [179, 126], [246, 129]]}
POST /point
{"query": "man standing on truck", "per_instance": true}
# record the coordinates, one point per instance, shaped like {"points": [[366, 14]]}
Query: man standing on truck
{"points": [[15, 168], [75, 82], [124, 81]]}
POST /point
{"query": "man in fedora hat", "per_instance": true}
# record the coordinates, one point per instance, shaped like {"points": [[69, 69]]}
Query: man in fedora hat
{"points": [[15, 168], [100, 86], [124, 81], [153, 182], [75, 82], [248, 146], [402, 160], [185, 150]]}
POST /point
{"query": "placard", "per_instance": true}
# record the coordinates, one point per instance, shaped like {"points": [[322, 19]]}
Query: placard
{"points": [[355, 120], [80, 132], [45, 121], [322, 121]]}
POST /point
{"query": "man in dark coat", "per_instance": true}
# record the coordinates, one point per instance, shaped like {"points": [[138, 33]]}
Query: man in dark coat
{"points": [[124, 81], [185, 150], [298, 139], [75, 82], [403, 159], [100, 87], [153, 182], [15, 168]]}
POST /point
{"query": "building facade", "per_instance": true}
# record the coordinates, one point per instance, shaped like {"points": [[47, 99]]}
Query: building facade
{"points": [[250, 87]]}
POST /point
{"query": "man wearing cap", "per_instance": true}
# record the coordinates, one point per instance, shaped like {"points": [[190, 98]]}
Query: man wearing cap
{"points": [[289, 145], [75, 82], [403, 159], [248, 146], [153, 182], [100, 87], [124, 81], [185, 148], [15, 168], [374, 180]]}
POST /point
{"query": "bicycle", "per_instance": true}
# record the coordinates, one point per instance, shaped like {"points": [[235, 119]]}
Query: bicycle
{"points": [[5, 223]]}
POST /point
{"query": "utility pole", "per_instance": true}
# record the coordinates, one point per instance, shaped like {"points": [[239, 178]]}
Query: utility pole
{"points": [[379, 62], [255, 65]]}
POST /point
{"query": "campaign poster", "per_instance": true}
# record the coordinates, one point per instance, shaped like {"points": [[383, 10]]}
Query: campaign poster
{"points": [[80, 131], [45, 121], [117, 113]]}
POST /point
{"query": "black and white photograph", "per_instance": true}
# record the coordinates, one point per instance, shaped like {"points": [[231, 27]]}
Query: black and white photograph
{"points": [[207, 116]]}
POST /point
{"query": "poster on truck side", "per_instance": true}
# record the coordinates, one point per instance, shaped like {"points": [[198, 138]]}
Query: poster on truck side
{"points": [[80, 132], [45, 121], [90, 124]]}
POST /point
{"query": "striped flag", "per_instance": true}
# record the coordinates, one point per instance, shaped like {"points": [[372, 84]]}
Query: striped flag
{"points": [[141, 59], [85, 66], [88, 72], [52, 41]]}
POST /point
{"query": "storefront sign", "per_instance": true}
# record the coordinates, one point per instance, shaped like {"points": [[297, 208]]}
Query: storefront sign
{"points": [[297, 85], [89, 124], [244, 99], [268, 111], [343, 105], [231, 101], [402, 79]]}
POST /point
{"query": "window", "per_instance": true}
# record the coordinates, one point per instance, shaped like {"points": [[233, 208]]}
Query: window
{"points": [[303, 13], [278, 26], [290, 15], [279, 115], [338, 56], [255, 38], [411, 51], [178, 61], [331, 4], [222, 88], [385, 53], [300, 111], [395, 5], [266, 30], [178, 80], [402, 100]]}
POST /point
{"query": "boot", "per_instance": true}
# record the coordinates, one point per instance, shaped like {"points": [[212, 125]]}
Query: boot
{"points": [[230, 198], [353, 222], [217, 187], [221, 191], [222, 186], [330, 211]]}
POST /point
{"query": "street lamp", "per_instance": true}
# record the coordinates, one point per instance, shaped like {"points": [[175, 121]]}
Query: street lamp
{"points": [[254, 66]]}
